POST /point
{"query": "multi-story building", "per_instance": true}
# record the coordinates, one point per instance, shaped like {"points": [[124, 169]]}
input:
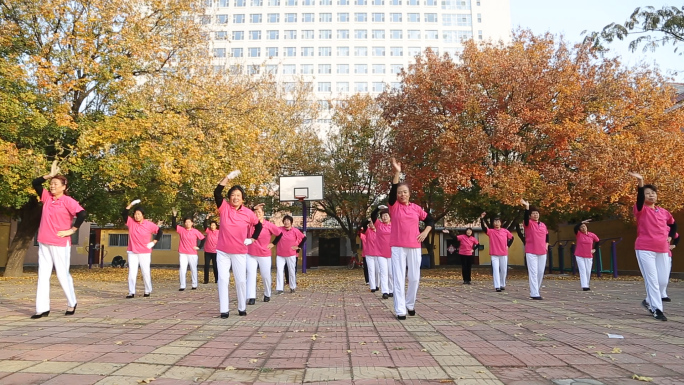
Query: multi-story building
{"points": [[344, 46]]}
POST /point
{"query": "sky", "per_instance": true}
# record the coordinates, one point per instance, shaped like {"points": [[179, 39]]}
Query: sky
{"points": [[571, 17]]}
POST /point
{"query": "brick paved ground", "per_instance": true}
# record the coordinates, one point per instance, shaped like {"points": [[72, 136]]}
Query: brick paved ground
{"points": [[334, 331]]}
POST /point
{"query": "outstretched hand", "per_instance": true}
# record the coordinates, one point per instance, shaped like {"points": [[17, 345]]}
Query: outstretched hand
{"points": [[525, 203], [174, 212], [636, 175], [396, 166], [233, 174], [54, 169], [484, 214], [445, 231], [382, 207], [586, 221]]}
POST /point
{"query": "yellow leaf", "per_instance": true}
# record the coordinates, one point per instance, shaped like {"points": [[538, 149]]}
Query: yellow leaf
{"points": [[230, 368], [641, 378], [146, 381], [253, 361], [616, 350]]}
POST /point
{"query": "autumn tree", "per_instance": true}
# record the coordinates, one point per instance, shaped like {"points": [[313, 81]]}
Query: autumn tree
{"points": [[355, 167], [539, 119]]}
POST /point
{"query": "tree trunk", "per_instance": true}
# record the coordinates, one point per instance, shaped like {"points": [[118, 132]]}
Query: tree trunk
{"points": [[27, 225]]}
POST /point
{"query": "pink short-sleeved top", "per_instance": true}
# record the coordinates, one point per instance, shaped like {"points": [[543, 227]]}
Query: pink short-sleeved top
{"points": [[584, 244], [212, 240], [235, 226], [259, 248], [188, 240], [370, 245], [291, 237], [652, 229], [58, 215], [139, 235], [498, 241], [466, 244], [405, 224], [383, 232], [535, 238]]}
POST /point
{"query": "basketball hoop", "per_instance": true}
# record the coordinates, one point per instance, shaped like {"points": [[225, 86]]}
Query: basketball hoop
{"points": [[301, 193]]}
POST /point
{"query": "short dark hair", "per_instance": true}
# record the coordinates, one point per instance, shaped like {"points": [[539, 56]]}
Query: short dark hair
{"points": [[60, 178], [650, 186], [288, 218], [213, 222], [384, 211], [408, 186], [496, 219], [187, 219], [534, 208], [466, 231], [239, 188], [139, 208]]}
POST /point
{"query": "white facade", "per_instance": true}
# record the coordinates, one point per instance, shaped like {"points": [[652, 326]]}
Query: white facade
{"points": [[345, 46]]}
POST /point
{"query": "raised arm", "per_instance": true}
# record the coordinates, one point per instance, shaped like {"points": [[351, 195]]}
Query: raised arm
{"points": [[124, 214], [38, 182], [396, 167], [483, 224], [374, 214], [218, 191], [174, 223], [641, 198], [526, 217], [577, 227]]}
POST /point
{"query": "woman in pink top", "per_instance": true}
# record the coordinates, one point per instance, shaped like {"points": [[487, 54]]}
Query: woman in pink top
{"points": [[289, 242], [259, 255], [54, 239], [405, 241], [466, 248], [655, 229], [371, 254], [187, 249], [500, 240], [536, 248], [585, 247], [239, 228], [139, 249], [383, 229], [211, 232]]}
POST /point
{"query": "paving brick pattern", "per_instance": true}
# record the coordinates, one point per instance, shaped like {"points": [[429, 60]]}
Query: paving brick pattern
{"points": [[461, 334]]}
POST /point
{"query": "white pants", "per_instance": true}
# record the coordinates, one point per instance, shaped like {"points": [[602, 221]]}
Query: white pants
{"points": [[536, 263], [238, 262], [59, 257], [264, 265], [584, 267], [385, 268], [280, 271], [184, 260], [403, 257], [372, 269], [144, 261], [664, 276], [499, 270], [650, 264]]}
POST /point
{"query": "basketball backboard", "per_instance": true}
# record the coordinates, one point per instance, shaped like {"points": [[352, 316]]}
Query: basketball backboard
{"points": [[307, 187]]}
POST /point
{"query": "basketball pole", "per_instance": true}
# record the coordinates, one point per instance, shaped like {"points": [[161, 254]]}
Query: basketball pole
{"points": [[303, 231]]}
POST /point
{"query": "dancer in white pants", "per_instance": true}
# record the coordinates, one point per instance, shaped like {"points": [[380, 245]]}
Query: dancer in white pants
{"points": [[500, 240], [288, 244], [259, 256], [536, 247], [370, 250], [54, 234], [139, 250], [655, 229], [187, 249], [405, 241], [585, 247], [236, 222], [383, 229]]}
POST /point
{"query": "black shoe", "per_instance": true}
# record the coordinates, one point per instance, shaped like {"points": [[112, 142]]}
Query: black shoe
{"points": [[251, 301], [667, 299], [503, 288], [401, 317], [377, 289], [412, 312], [391, 295], [225, 315], [242, 313], [292, 290], [374, 290], [130, 296], [537, 298], [41, 315], [498, 290], [194, 288], [205, 282], [585, 289], [646, 306], [267, 299], [146, 295], [71, 312], [181, 289], [278, 292], [659, 315], [385, 295]]}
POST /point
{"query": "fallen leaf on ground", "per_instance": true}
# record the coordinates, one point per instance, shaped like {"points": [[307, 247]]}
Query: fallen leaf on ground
{"points": [[230, 368], [616, 350], [146, 381], [641, 378], [253, 361]]}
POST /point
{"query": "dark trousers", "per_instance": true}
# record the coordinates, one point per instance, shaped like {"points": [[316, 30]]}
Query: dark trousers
{"points": [[365, 270], [466, 266], [210, 258]]}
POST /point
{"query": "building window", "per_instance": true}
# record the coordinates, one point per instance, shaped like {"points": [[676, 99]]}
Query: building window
{"points": [[395, 34], [456, 36], [204, 20], [342, 2], [324, 51], [361, 86], [413, 34], [221, 19], [378, 86], [289, 69], [290, 34], [395, 2], [307, 69], [360, 34], [308, 2], [395, 85], [395, 69], [361, 17], [272, 51], [378, 68], [378, 34], [378, 2], [325, 34], [235, 69], [221, 35], [324, 69], [413, 17], [289, 86], [456, 4], [413, 2], [378, 51], [223, 3], [164, 243], [272, 35], [431, 3], [290, 17], [324, 87], [254, 52], [360, 68], [343, 17], [343, 68], [460, 20], [273, 18], [273, 3], [254, 35], [290, 51], [236, 52], [307, 51], [290, 3], [271, 69], [478, 3], [307, 17], [431, 35], [116, 240], [396, 51], [361, 51], [240, 3], [325, 17], [343, 34], [360, 2], [307, 34], [378, 17], [413, 51], [395, 17], [257, 3], [479, 35], [342, 86], [238, 19], [238, 35], [430, 17], [253, 69], [342, 51], [325, 2]]}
